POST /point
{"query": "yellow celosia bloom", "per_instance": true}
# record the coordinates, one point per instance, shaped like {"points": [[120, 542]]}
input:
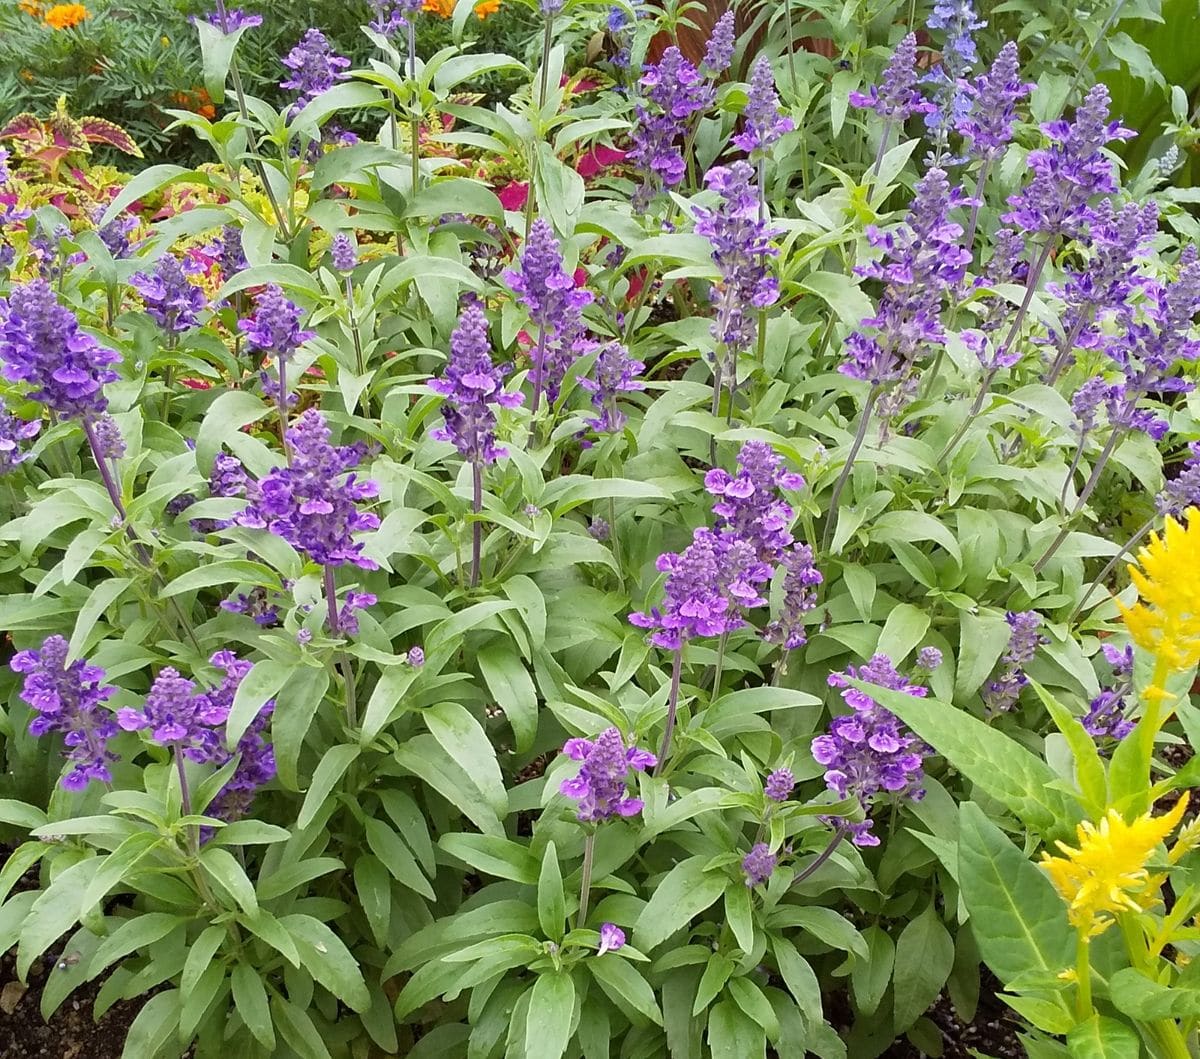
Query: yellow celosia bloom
{"points": [[1166, 620], [64, 16], [1107, 873]]}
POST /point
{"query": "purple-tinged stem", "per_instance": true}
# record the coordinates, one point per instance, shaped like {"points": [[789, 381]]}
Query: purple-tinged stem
{"points": [[847, 467], [980, 182], [883, 140], [835, 840], [1126, 548], [1064, 353], [1114, 439], [476, 526], [539, 366], [283, 416], [416, 119], [185, 799], [335, 628], [672, 706], [585, 883]]}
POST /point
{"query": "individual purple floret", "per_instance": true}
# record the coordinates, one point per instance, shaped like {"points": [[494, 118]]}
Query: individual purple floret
{"points": [[741, 249], [256, 605], [708, 586], [612, 938], [177, 717], [1120, 658], [109, 444], [922, 259], [393, 15], [41, 344], [343, 252], [779, 785], [764, 125], [351, 605], [230, 20], [719, 53], [929, 659], [800, 581], [868, 751], [1025, 637], [988, 126], [313, 504], [12, 432], [314, 66], [1070, 173], [171, 299], [750, 504], [274, 326], [554, 305], [895, 98], [600, 788], [67, 698], [1182, 491], [758, 864], [614, 373], [472, 385]]}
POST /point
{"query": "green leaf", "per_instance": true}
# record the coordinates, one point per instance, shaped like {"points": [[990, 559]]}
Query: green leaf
{"points": [[905, 628], [196, 1003], [986, 756], [460, 68], [739, 916], [717, 972], [801, 979], [924, 957], [1103, 1038], [133, 934], [325, 776], [463, 738], [512, 686], [548, 1022], [299, 700], [297, 1029], [870, 977], [625, 986], [456, 195], [982, 640], [1018, 920], [100, 598], [685, 892], [373, 885], [326, 958], [754, 1003], [230, 412], [842, 294], [250, 997], [396, 857], [155, 1025], [55, 911], [732, 1034], [145, 183], [260, 684], [262, 924], [424, 758], [831, 927], [223, 868], [551, 901], [1089, 769], [216, 53], [21, 814], [1146, 1000], [200, 955], [500, 857]]}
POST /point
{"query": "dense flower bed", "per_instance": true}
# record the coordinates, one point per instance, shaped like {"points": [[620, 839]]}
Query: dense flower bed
{"points": [[636, 566]]}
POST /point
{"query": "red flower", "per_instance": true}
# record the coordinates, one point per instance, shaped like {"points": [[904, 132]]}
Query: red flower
{"points": [[513, 196]]}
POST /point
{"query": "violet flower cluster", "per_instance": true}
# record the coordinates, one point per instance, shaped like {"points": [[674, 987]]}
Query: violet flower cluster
{"points": [[274, 326], [764, 124], [1001, 694], [1106, 717], [393, 15], [115, 235], [313, 504], [896, 98], [749, 504], [1182, 491], [472, 385], [741, 242], [868, 751], [718, 55], [41, 344], [256, 605], [343, 252], [922, 259], [759, 864], [13, 431], [780, 784], [987, 127], [171, 299], [615, 372], [229, 20], [68, 697], [674, 91], [959, 56], [315, 68], [601, 786]]}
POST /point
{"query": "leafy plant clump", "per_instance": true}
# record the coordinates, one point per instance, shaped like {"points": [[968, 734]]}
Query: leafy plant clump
{"points": [[634, 564]]}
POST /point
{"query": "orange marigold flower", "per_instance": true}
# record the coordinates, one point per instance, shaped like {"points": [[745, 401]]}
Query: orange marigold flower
{"points": [[31, 7], [441, 8], [64, 16], [486, 7]]}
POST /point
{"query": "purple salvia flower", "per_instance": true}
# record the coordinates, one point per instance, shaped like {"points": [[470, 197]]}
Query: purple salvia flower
{"points": [[708, 585], [1001, 694], [750, 506], [1180, 493], [988, 126], [41, 344], [741, 242], [779, 785], [313, 504], [171, 299], [231, 258], [758, 864], [612, 938], [393, 15], [175, 715], [868, 752], [928, 659], [1106, 717], [1086, 402], [67, 698], [896, 98], [255, 769], [228, 477], [255, 605], [275, 325], [1120, 658], [1070, 173], [959, 55], [343, 252], [230, 20], [416, 657], [799, 597], [12, 432], [314, 67], [471, 386], [599, 530], [719, 53], [109, 444], [600, 787], [351, 605], [614, 373], [764, 125], [115, 235]]}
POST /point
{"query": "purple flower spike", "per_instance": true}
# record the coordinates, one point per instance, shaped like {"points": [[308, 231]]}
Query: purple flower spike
{"points": [[175, 716], [612, 938], [868, 752], [109, 443], [313, 504], [416, 657], [1001, 694], [614, 373], [171, 299], [472, 385], [600, 788], [348, 615], [896, 97], [708, 586], [719, 53], [275, 325], [758, 864], [393, 15], [67, 698], [41, 344], [764, 124], [343, 252], [959, 55], [779, 785], [1180, 493], [230, 20], [929, 659], [800, 581], [988, 125], [314, 67], [749, 504], [12, 432], [255, 605]]}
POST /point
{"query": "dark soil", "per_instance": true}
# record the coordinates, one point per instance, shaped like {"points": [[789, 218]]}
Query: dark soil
{"points": [[993, 1032]]}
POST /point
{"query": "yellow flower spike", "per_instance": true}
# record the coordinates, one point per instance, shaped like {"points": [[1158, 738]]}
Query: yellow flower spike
{"points": [[1166, 620], [1188, 840], [1107, 873]]}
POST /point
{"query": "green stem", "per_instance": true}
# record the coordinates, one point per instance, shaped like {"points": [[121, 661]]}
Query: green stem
{"points": [[722, 644], [476, 526], [672, 706], [185, 800], [1083, 974], [832, 517], [1145, 528], [344, 664], [585, 883]]}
